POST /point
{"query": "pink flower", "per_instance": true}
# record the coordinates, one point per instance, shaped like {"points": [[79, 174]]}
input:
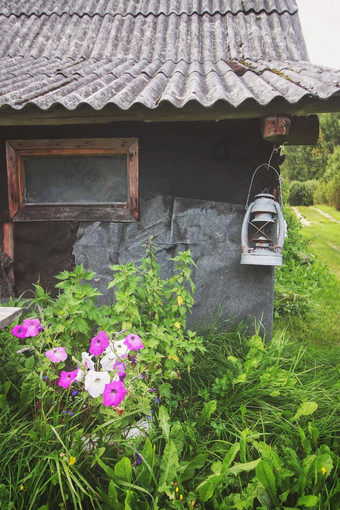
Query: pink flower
{"points": [[66, 378], [57, 354], [32, 326], [99, 343], [19, 331], [113, 394], [133, 342]]}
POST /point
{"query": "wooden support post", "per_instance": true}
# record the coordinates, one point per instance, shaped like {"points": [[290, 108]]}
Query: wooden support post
{"points": [[8, 248]]}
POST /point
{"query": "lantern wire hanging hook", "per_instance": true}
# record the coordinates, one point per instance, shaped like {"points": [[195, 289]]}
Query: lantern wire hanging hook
{"points": [[269, 166]]}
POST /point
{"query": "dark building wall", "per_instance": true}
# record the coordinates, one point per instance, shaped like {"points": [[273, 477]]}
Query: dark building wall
{"points": [[193, 172]]}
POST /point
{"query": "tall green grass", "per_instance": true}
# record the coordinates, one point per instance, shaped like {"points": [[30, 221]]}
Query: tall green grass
{"points": [[307, 292]]}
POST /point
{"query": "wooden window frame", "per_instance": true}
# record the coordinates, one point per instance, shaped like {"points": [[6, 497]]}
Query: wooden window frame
{"points": [[19, 211]]}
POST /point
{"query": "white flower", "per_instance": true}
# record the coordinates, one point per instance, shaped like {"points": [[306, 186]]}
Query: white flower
{"points": [[119, 348], [87, 360], [108, 360], [95, 382], [80, 375], [142, 428]]}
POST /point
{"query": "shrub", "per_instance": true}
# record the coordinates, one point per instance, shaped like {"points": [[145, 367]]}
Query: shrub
{"points": [[301, 193], [333, 191]]}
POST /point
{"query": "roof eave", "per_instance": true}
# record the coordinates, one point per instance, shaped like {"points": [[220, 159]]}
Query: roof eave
{"points": [[165, 112]]}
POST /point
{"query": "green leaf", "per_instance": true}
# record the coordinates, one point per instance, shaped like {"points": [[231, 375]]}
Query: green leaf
{"points": [[29, 389], [177, 436], [164, 390], [169, 467], [130, 500], [148, 456], [323, 462], [245, 466], [229, 458], [207, 411], [123, 470], [267, 478], [196, 463], [305, 409], [113, 495], [307, 501], [29, 363], [108, 470], [206, 489], [163, 418]]}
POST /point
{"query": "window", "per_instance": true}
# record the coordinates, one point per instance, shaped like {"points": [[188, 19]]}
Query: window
{"points": [[75, 179]]}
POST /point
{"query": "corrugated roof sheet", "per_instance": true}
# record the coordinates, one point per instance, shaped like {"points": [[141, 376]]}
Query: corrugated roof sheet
{"points": [[150, 51], [45, 82], [144, 7], [169, 37]]}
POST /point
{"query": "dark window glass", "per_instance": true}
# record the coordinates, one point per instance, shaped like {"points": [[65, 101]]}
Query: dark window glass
{"points": [[75, 179]]}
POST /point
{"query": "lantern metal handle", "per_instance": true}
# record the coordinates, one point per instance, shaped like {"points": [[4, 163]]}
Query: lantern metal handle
{"points": [[279, 179], [282, 232]]}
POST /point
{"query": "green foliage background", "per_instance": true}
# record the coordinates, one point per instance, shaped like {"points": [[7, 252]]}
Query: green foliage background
{"points": [[315, 168]]}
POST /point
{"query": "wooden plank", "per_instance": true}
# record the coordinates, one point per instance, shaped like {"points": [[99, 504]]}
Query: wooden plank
{"points": [[75, 145], [8, 314], [132, 169], [8, 248], [8, 239], [83, 212], [84, 114], [12, 176]]}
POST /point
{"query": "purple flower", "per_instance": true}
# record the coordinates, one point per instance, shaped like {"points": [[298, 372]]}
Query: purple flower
{"points": [[156, 400], [133, 342], [32, 326], [19, 331], [41, 329], [57, 354], [99, 343], [138, 459], [74, 393], [66, 378], [113, 394], [120, 367]]}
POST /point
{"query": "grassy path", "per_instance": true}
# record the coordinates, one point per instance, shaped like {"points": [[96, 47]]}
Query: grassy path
{"points": [[323, 235]]}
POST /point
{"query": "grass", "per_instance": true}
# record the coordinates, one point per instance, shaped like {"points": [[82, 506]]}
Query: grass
{"points": [[323, 237], [329, 210], [307, 291]]}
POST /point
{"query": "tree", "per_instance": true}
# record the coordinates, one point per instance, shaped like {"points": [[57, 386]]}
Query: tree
{"points": [[308, 162]]}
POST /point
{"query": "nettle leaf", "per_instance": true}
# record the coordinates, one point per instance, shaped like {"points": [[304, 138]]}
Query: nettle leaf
{"points": [[307, 501], [164, 419], [169, 467], [305, 409]]}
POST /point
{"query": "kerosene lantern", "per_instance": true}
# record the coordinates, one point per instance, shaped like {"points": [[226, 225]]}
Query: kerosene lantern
{"points": [[263, 231]]}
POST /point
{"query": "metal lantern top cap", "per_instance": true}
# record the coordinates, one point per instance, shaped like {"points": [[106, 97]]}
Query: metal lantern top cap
{"points": [[264, 202]]}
